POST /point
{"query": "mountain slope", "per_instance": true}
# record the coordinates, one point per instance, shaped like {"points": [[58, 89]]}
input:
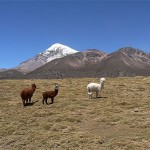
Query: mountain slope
{"points": [[125, 62], [75, 65], [55, 51]]}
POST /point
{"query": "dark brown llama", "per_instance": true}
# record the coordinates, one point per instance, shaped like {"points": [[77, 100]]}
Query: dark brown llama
{"points": [[50, 94], [27, 93]]}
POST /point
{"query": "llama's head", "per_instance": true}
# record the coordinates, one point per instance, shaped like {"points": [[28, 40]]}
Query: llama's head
{"points": [[102, 79], [102, 82], [33, 86], [56, 86]]}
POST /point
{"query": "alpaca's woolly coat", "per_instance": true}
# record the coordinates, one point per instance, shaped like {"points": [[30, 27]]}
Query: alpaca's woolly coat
{"points": [[95, 87]]}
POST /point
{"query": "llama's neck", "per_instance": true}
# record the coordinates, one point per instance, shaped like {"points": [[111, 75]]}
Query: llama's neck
{"points": [[33, 89], [56, 92], [102, 85]]}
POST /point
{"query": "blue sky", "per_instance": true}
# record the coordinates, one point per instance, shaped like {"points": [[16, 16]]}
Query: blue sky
{"points": [[29, 27]]}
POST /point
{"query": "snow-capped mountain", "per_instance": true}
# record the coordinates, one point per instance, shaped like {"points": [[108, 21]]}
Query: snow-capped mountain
{"points": [[55, 51]]}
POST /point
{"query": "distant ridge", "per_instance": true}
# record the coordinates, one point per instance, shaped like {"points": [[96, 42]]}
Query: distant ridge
{"points": [[11, 74], [2, 69], [125, 61]]}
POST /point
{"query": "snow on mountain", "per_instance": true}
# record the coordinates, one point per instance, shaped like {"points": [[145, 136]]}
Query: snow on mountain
{"points": [[55, 51]]}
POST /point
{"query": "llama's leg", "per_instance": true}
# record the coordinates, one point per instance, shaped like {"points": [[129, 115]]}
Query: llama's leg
{"points": [[100, 94], [46, 101], [90, 96], [23, 102], [52, 100], [30, 100], [97, 94], [26, 101], [90, 93], [43, 101]]}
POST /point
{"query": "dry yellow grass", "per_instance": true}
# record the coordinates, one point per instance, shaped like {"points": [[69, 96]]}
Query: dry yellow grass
{"points": [[119, 120]]}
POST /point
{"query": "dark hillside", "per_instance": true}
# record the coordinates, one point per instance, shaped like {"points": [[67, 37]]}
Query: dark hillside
{"points": [[125, 62]]}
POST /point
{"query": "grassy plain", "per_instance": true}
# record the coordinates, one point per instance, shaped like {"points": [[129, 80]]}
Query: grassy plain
{"points": [[119, 120]]}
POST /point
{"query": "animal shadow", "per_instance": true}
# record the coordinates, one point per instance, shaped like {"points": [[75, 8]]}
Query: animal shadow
{"points": [[102, 97], [30, 104]]}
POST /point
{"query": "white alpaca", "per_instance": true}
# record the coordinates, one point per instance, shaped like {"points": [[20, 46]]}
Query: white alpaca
{"points": [[95, 87]]}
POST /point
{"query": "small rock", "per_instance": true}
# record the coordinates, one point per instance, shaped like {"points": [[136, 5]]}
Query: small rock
{"points": [[100, 141], [136, 110]]}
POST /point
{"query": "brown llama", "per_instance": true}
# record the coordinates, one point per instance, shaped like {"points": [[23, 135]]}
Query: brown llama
{"points": [[27, 93], [50, 94]]}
